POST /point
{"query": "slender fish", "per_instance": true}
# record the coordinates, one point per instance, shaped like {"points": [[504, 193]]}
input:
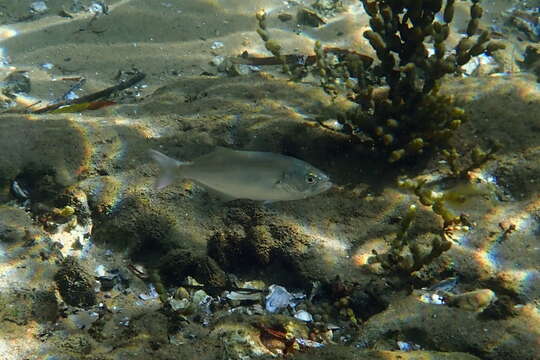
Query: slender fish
{"points": [[255, 175]]}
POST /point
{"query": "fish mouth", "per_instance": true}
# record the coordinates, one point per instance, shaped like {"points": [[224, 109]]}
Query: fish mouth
{"points": [[328, 185]]}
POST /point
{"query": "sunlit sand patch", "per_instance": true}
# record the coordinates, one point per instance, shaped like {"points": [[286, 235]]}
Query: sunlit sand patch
{"points": [[329, 243], [107, 192], [522, 84], [519, 281], [40, 24], [20, 270], [518, 215], [489, 256], [527, 90], [146, 132], [11, 260], [21, 344], [8, 273], [7, 32], [487, 259], [364, 252], [27, 101], [358, 36]]}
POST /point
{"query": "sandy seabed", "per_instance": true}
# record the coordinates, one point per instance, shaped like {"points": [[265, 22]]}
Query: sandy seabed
{"points": [[86, 284]]}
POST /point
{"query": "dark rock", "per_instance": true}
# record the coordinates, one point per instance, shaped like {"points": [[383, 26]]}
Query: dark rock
{"points": [[443, 328], [75, 284], [308, 17], [179, 263], [285, 17], [16, 82]]}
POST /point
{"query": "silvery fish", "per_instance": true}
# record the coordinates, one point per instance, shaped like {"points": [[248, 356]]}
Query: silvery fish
{"points": [[255, 175]]}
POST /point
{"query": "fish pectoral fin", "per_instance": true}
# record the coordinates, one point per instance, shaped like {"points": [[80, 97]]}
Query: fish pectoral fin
{"points": [[281, 185]]}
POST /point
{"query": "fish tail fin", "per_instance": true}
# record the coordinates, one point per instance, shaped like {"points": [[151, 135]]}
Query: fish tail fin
{"points": [[168, 168]]}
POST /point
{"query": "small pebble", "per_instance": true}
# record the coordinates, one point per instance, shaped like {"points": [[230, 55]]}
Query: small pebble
{"points": [[96, 8], [217, 45], [285, 17], [38, 6], [217, 60]]}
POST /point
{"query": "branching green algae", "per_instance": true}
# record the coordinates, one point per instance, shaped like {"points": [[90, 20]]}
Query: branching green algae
{"points": [[413, 115], [270, 44], [400, 111], [407, 255]]}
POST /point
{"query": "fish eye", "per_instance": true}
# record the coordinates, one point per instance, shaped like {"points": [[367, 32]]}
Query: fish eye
{"points": [[311, 178]]}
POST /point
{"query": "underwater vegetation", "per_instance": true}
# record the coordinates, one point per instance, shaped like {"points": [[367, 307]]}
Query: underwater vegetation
{"points": [[441, 265], [399, 110], [407, 255]]}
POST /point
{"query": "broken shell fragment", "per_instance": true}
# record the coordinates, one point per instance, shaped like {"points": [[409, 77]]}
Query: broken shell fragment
{"points": [[152, 293], [242, 296], [178, 305], [304, 316], [278, 298]]}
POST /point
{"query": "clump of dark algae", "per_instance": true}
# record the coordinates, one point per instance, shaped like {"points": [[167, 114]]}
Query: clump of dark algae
{"points": [[75, 284], [399, 110]]}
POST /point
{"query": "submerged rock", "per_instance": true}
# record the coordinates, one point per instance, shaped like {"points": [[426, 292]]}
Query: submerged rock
{"points": [[476, 300], [14, 223], [453, 329], [20, 306], [345, 353], [75, 284], [178, 264], [16, 82]]}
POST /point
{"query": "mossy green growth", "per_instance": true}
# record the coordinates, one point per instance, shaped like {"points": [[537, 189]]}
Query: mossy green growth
{"points": [[406, 254], [401, 111], [270, 44], [436, 200], [477, 158]]}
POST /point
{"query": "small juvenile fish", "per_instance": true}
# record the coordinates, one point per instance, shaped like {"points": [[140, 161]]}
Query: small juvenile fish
{"points": [[254, 175]]}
